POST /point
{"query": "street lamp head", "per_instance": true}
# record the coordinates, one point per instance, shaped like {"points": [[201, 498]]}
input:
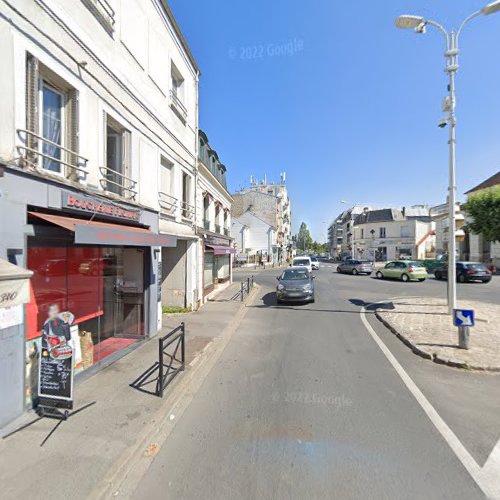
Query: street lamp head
{"points": [[491, 8], [410, 22]]}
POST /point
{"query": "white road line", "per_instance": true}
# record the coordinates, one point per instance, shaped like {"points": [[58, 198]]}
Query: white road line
{"points": [[488, 477]]}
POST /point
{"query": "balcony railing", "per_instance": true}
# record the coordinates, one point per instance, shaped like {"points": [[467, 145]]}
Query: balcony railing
{"points": [[226, 231], [115, 182], [206, 225], [168, 203], [218, 228], [34, 157], [177, 105], [103, 11], [187, 211]]}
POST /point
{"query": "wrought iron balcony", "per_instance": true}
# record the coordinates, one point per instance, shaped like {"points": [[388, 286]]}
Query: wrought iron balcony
{"points": [[32, 155], [168, 203], [115, 182], [103, 11], [187, 211]]}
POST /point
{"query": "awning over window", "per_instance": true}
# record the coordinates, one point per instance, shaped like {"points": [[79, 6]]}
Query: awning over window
{"points": [[221, 250], [14, 284], [104, 233]]}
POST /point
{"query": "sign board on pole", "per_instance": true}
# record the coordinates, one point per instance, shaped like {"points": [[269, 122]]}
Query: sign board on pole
{"points": [[463, 317]]}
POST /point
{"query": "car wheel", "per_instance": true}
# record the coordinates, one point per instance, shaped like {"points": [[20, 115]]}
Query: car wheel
{"points": [[379, 275], [437, 275], [312, 300], [338, 269], [461, 278], [405, 277], [354, 272]]}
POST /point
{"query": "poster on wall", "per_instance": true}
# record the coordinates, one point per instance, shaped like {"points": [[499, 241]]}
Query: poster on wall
{"points": [[55, 382]]}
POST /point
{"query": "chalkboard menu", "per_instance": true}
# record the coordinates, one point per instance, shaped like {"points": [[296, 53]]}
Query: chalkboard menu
{"points": [[55, 380], [56, 377]]}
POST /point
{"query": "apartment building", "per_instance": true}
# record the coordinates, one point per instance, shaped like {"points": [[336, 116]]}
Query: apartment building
{"points": [[340, 232], [271, 202], [98, 155], [392, 233], [213, 222]]}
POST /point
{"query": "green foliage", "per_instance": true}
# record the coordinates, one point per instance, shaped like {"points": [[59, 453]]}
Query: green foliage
{"points": [[303, 240], [174, 310], [484, 208]]}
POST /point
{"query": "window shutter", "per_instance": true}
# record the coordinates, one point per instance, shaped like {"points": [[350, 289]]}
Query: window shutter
{"points": [[73, 121], [126, 163], [32, 77]]}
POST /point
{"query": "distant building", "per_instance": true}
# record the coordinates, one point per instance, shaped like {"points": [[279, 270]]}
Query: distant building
{"points": [[271, 203], [254, 238], [393, 233]]}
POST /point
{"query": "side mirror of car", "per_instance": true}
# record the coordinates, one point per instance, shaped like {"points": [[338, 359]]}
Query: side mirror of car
{"points": [[278, 278]]}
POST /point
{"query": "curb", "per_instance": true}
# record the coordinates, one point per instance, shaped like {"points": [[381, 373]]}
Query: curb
{"points": [[435, 358], [128, 470]]}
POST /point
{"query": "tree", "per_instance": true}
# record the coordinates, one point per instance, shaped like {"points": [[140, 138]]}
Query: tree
{"points": [[303, 240], [484, 209]]}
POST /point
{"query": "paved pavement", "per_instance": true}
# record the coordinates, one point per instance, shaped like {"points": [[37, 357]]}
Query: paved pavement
{"points": [[304, 404]]}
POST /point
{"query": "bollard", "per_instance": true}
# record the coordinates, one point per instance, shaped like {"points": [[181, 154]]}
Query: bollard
{"points": [[248, 284], [242, 290], [463, 337]]}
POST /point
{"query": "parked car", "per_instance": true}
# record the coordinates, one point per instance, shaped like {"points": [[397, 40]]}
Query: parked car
{"points": [[466, 271], [403, 270], [314, 263], [303, 261], [355, 267], [295, 284]]}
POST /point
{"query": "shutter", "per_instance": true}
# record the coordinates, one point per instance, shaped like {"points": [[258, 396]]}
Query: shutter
{"points": [[73, 122], [126, 165], [32, 77]]}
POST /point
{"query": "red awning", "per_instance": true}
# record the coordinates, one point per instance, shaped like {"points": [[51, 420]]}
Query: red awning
{"points": [[221, 250], [105, 233]]}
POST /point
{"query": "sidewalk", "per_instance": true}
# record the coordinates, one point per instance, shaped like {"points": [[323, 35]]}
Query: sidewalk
{"points": [[425, 326], [84, 448]]}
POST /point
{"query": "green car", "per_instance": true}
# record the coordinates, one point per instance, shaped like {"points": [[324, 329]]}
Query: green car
{"points": [[403, 270]]}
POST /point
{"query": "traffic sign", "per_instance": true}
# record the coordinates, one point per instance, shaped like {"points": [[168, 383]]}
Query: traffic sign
{"points": [[463, 317]]}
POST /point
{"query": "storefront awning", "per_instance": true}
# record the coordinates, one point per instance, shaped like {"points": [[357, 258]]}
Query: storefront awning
{"points": [[14, 284], [221, 250], [104, 233]]}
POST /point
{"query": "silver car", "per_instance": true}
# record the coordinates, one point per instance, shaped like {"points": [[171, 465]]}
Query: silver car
{"points": [[295, 284], [353, 266]]}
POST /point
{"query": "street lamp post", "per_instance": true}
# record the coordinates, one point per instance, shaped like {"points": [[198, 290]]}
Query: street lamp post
{"points": [[451, 54]]}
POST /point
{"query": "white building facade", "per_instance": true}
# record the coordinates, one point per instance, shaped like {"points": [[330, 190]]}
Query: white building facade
{"points": [[98, 162]]}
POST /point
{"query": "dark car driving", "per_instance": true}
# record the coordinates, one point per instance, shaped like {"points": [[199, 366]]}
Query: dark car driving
{"points": [[295, 284], [466, 271]]}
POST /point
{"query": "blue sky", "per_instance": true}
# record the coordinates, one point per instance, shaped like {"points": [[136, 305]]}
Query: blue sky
{"points": [[348, 105]]}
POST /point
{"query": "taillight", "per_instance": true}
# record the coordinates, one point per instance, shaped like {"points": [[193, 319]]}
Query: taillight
{"points": [[471, 271]]}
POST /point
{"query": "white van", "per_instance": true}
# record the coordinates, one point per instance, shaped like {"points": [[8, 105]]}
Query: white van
{"points": [[303, 261]]}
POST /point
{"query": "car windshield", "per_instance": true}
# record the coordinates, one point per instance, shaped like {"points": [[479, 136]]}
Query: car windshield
{"points": [[295, 274], [301, 262]]}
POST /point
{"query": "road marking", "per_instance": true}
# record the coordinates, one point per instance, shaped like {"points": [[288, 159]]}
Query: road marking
{"points": [[488, 477]]}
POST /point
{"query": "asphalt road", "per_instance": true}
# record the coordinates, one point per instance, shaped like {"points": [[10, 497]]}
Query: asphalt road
{"points": [[303, 404]]}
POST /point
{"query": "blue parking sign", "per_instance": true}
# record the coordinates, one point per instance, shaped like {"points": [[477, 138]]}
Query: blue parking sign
{"points": [[463, 317]]}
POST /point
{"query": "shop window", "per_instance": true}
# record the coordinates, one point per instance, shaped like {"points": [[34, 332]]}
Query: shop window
{"points": [[208, 269], [102, 288]]}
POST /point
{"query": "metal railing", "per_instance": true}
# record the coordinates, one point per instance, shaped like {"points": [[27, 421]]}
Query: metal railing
{"points": [[177, 104], [168, 203], [168, 360], [103, 10], [226, 231], [245, 287], [217, 228], [187, 210], [81, 161], [115, 182], [206, 225]]}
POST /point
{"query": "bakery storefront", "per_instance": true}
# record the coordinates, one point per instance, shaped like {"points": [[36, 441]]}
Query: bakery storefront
{"points": [[217, 251], [93, 265]]}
